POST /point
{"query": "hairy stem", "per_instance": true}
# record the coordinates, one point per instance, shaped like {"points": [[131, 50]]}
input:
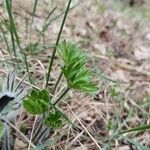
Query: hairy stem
{"points": [[61, 96], [57, 82]]}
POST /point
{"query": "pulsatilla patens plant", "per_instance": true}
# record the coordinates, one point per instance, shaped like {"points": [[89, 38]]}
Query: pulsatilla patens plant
{"points": [[78, 77]]}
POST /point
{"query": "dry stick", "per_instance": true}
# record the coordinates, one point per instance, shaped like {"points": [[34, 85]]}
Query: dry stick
{"points": [[77, 139], [80, 134], [41, 64], [132, 68], [12, 126], [85, 129]]}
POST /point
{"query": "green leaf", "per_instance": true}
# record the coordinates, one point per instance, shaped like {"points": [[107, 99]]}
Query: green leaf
{"points": [[140, 128], [54, 119], [70, 52], [37, 102], [77, 75], [63, 115]]}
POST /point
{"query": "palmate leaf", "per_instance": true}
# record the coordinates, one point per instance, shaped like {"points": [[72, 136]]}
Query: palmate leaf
{"points": [[37, 102], [77, 75], [70, 52], [54, 119]]}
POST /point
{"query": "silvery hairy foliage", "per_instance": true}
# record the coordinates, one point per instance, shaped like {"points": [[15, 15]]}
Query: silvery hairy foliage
{"points": [[11, 96]]}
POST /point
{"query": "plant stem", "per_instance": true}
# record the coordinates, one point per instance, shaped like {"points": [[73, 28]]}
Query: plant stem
{"points": [[57, 42], [34, 10], [61, 96], [57, 82]]}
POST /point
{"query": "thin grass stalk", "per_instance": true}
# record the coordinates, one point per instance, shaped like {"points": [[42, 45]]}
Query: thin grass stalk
{"points": [[5, 39], [24, 55], [33, 14], [27, 68], [57, 42], [13, 43], [53, 19], [34, 10], [11, 25], [45, 25], [14, 34]]}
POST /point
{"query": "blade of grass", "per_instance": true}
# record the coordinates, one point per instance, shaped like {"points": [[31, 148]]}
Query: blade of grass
{"points": [[140, 128], [46, 24], [33, 14], [116, 132], [14, 33], [57, 42], [48, 21], [11, 25], [5, 39], [34, 10], [135, 143]]}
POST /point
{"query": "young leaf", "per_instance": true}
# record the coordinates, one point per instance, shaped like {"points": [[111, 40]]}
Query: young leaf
{"points": [[77, 75], [37, 102], [53, 119], [63, 115], [69, 52]]}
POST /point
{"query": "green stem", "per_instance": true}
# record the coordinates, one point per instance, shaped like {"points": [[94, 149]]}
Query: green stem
{"points": [[27, 67], [57, 41], [57, 82], [61, 96]]}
